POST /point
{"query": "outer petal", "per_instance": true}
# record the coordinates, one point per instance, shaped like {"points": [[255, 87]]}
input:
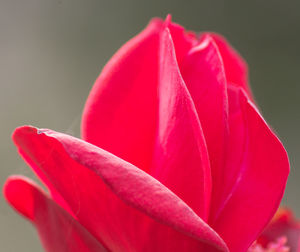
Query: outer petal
{"points": [[57, 229], [236, 68], [117, 202], [120, 112], [181, 160], [283, 224], [259, 182], [204, 75]]}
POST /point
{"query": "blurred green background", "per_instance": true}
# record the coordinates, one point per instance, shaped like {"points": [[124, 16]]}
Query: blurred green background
{"points": [[51, 51]]}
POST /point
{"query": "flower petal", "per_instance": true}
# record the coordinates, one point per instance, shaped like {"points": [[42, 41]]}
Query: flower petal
{"points": [[236, 68], [204, 75], [183, 40], [57, 229], [180, 160], [260, 180], [116, 201], [120, 112]]}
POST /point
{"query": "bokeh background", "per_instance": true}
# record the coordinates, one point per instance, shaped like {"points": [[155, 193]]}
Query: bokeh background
{"points": [[51, 51]]}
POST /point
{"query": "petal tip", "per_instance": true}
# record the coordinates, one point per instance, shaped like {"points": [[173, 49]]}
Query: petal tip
{"points": [[21, 130], [168, 19], [17, 192]]}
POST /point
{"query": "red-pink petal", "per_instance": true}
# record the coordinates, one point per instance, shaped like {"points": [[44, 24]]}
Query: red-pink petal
{"points": [[183, 40], [117, 202], [235, 149], [181, 160], [236, 68], [121, 110], [259, 182], [204, 76], [57, 229]]}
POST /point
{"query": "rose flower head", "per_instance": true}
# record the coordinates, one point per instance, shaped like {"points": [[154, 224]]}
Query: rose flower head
{"points": [[174, 155]]}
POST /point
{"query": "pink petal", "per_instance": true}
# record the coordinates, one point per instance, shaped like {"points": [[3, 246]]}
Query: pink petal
{"points": [[181, 161], [204, 75], [117, 202], [235, 150], [57, 229], [260, 180], [236, 68], [183, 40], [121, 110]]}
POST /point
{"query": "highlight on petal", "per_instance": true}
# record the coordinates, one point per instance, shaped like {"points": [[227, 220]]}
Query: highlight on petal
{"points": [[115, 201], [203, 72], [235, 66], [57, 229], [260, 180], [180, 160], [121, 110], [183, 40]]}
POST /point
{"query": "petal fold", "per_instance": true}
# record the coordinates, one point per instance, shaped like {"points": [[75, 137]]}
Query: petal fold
{"points": [[117, 202]]}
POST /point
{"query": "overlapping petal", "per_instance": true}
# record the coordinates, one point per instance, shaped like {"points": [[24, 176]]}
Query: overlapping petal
{"points": [[236, 68], [183, 40], [117, 202], [120, 114], [204, 75], [58, 230], [121, 110], [181, 159], [258, 179]]}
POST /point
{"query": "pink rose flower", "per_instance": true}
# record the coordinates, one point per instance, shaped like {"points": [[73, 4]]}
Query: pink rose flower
{"points": [[174, 155]]}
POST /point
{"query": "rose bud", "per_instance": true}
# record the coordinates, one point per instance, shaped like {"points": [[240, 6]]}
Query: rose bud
{"points": [[174, 156]]}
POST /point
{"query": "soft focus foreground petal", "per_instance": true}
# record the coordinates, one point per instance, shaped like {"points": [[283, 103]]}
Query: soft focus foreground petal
{"points": [[283, 224], [236, 68], [259, 182], [181, 160], [58, 231], [117, 202], [120, 112], [204, 76]]}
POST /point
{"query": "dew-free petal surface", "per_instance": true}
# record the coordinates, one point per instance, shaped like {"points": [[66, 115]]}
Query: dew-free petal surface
{"points": [[183, 40], [57, 229], [117, 202], [259, 183], [121, 110], [235, 66], [204, 76], [181, 160]]}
